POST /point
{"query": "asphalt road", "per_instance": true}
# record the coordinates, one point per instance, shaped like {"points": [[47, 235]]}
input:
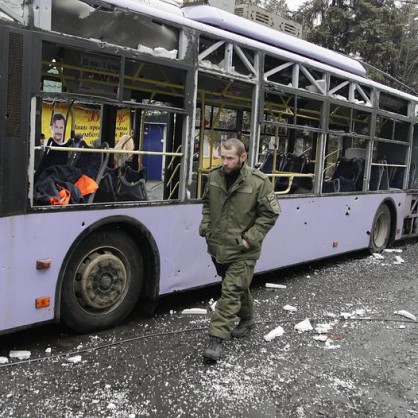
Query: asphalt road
{"points": [[152, 367]]}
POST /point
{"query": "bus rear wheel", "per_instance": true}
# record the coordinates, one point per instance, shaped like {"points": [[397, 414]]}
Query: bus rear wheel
{"points": [[380, 233], [102, 282]]}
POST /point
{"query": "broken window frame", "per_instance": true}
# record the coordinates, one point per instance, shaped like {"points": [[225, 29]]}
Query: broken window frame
{"points": [[177, 187]]}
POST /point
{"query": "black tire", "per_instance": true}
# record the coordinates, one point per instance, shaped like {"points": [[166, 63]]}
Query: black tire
{"points": [[380, 232], [102, 282], [147, 307]]}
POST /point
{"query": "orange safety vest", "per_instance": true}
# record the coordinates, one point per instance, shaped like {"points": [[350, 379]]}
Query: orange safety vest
{"points": [[63, 199], [86, 185]]}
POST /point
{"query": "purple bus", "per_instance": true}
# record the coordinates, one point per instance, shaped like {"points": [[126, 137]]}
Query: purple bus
{"points": [[114, 111]]}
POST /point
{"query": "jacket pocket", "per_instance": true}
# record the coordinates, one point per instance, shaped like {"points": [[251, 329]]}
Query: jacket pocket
{"points": [[241, 246]]}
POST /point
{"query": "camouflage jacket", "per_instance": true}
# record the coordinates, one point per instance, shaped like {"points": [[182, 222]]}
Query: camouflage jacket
{"points": [[248, 210]]}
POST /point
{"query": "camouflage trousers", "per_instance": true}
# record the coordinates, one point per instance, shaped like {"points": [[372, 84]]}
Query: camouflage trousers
{"points": [[236, 299]]}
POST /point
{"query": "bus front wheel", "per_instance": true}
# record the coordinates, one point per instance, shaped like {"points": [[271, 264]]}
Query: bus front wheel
{"points": [[102, 282], [380, 233]]}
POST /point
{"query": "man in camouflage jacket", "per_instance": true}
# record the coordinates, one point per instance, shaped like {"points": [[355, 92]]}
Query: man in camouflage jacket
{"points": [[239, 208]]}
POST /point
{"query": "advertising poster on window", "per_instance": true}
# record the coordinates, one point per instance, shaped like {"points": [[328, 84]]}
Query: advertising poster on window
{"points": [[82, 120]]}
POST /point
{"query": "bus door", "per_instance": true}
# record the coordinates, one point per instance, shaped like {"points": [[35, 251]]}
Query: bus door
{"points": [[154, 136]]}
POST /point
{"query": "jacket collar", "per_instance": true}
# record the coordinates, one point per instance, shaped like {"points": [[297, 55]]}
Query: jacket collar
{"points": [[240, 179]]}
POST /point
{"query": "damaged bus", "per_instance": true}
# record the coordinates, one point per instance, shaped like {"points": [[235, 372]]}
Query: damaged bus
{"points": [[113, 112]]}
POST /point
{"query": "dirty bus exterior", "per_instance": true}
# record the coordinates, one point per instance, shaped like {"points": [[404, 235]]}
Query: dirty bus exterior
{"points": [[340, 150]]}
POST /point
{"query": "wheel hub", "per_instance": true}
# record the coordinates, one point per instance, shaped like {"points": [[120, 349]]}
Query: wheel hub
{"points": [[105, 282], [381, 230], [102, 280]]}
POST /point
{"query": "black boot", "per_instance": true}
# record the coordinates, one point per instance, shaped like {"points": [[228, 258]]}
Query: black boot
{"points": [[214, 350], [243, 328]]}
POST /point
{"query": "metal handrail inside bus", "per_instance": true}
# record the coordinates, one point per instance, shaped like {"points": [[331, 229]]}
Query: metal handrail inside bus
{"points": [[174, 189], [172, 174], [108, 151], [383, 167], [329, 165], [291, 177], [174, 156], [385, 164]]}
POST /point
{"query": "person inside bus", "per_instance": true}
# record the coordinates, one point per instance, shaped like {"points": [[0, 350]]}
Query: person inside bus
{"points": [[52, 157], [239, 208], [123, 160]]}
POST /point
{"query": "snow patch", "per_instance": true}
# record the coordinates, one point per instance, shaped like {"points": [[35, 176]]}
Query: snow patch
{"points": [[275, 286], [20, 354], [194, 311], [304, 326], [322, 338], [276, 332], [323, 328], [74, 360], [160, 52], [406, 314]]}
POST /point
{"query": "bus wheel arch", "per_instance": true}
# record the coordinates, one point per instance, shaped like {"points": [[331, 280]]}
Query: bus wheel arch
{"points": [[110, 266], [383, 227]]}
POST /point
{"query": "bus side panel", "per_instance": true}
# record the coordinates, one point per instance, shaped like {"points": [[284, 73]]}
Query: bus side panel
{"points": [[306, 230], [26, 239], [14, 131], [319, 227]]}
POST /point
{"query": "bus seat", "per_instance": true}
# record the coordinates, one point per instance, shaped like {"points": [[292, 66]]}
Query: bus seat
{"points": [[52, 157], [295, 164], [396, 177], [116, 186], [107, 186], [347, 176], [266, 165], [379, 176], [54, 178], [93, 165], [132, 176], [131, 186], [302, 165]]}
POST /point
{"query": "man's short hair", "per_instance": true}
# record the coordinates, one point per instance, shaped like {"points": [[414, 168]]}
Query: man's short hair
{"points": [[234, 143], [57, 116]]}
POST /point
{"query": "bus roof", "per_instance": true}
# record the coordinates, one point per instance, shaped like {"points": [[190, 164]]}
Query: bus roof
{"points": [[253, 30], [215, 22], [285, 51]]}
